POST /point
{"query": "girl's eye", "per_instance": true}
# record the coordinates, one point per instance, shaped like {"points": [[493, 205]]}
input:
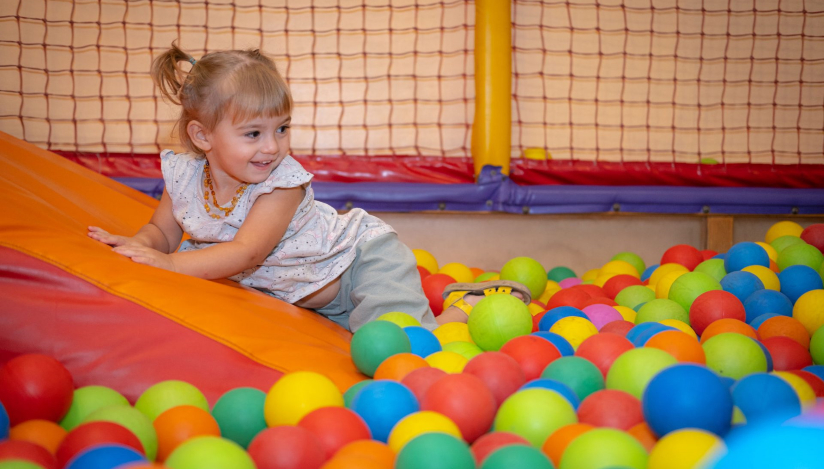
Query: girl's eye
{"points": [[253, 134], [282, 129]]}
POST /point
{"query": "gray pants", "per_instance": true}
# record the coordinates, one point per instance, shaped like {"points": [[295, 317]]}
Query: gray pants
{"points": [[383, 278]]}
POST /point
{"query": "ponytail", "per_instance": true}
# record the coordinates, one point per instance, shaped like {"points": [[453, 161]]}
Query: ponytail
{"points": [[167, 74]]}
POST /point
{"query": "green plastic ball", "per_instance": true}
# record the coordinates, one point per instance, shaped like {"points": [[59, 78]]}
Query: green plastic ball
{"points": [[511, 456], [465, 349], [527, 271], [632, 259], [18, 464], [376, 341], [712, 267], [800, 254], [817, 346], [580, 374], [167, 394], [401, 319], [87, 400], [209, 452], [239, 414], [632, 371], [686, 288], [734, 355], [634, 295], [603, 448], [660, 309], [485, 276], [783, 242], [496, 319], [534, 414], [556, 274], [350, 393], [435, 450], [134, 420]]}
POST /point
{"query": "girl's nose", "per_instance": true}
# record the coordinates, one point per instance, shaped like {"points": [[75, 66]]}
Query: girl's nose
{"points": [[270, 145]]}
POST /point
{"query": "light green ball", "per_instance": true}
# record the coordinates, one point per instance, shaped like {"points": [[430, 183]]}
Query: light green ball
{"points": [[712, 267], [498, 318], [485, 276], [167, 394], [134, 420], [534, 414], [401, 319], [632, 371], [734, 355], [800, 254], [18, 464], [603, 448], [817, 346], [660, 309], [783, 242], [209, 452], [465, 349], [634, 295], [632, 259], [686, 288], [87, 400], [527, 271]]}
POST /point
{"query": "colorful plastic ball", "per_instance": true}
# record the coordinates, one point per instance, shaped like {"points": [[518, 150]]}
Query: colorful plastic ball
{"points": [[685, 449], [419, 381], [26, 451], [335, 427], [353, 390], [745, 254], [685, 348], [450, 362], [817, 352], [426, 260], [179, 424], [741, 284], [815, 382], [660, 309], [783, 326], [526, 271], [467, 350], [4, 423], [45, 433], [787, 354], [712, 267], [435, 451], [401, 319], [464, 399], [534, 414], [683, 254], [690, 286], [532, 353], [768, 278], [783, 228], [92, 434], [34, 386], [418, 423], [568, 296], [633, 370], [382, 404], [287, 447], [296, 394], [814, 235], [452, 332], [563, 345], [616, 284], [164, 395], [756, 323], [239, 414], [376, 341], [641, 333], [487, 276], [501, 374], [764, 395], [604, 448], [664, 269], [86, 400], [634, 295], [498, 318], [458, 271], [433, 287], [581, 375], [105, 456], [20, 464], [734, 355], [211, 452], [574, 329], [797, 280], [556, 314], [423, 273], [805, 391], [621, 328], [557, 386], [644, 435], [492, 441], [727, 325], [517, 456], [602, 350], [630, 257], [422, 341], [681, 326], [399, 365], [687, 396], [663, 286], [601, 314], [771, 445], [809, 310], [560, 273], [611, 408], [647, 273], [767, 301], [371, 450], [557, 443], [131, 418], [800, 254]]}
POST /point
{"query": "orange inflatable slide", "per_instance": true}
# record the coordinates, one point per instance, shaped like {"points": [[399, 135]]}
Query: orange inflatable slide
{"points": [[116, 323]]}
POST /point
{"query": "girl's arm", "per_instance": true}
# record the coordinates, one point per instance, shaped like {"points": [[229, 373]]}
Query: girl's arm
{"points": [[261, 231], [162, 233]]}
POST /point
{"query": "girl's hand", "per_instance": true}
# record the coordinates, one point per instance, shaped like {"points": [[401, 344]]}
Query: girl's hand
{"points": [[146, 255], [105, 237]]}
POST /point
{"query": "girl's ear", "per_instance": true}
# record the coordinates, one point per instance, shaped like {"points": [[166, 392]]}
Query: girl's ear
{"points": [[199, 135]]}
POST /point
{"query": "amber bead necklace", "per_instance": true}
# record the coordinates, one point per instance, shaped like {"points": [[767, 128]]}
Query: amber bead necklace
{"points": [[208, 189]]}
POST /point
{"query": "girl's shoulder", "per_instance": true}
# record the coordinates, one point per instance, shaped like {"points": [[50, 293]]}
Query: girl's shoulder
{"points": [[289, 173], [171, 158]]}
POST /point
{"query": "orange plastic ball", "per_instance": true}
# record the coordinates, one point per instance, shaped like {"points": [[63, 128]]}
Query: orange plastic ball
{"points": [[397, 366], [179, 424], [369, 449], [44, 433], [353, 462], [728, 325], [557, 443], [785, 326], [680, 345], [643, 433]]}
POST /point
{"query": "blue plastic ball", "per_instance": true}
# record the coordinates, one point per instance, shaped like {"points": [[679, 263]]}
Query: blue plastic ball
{"points": [[105, 456], [745, 254], [756, 323], [557, 386], [817, 370], [423, 341], [4, 423], [382, 404], [767, 302], [687, 396], [556, 314], [648, 272], [762, 395], [741, 284], [772, 445], [558, 341], [641, 333], [797, 280]]}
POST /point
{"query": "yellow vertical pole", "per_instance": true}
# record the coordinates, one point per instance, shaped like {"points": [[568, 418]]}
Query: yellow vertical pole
{"points": [[492, 128]]}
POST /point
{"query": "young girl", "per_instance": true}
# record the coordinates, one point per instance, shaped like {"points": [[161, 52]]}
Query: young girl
{"points": [[250, 211]]}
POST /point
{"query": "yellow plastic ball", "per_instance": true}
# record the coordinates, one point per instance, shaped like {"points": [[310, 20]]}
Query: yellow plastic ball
{"points": [[296, 394], [452, 332], [426, 260], [590, 274], [809, 309], [574, 329], [783, 228], [419, 423], [664, 269], [663, 286], [619, 267], [627, 313], [458, 271], [535, 309], [767, 276], [771, 252], [685, 449], [802, 388], [547, 294], [450, 362], [681, 326], [738, 416], [401, 319]]}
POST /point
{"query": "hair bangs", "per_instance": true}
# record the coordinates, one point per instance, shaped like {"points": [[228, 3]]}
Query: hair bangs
{"points": [[257, 92]]}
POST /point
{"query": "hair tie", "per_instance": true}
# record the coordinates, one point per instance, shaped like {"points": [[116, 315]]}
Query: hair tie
{"points": [[192, 60]]}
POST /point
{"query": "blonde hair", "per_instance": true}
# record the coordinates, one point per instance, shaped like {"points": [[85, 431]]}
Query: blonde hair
{"points": [[241, 84]]}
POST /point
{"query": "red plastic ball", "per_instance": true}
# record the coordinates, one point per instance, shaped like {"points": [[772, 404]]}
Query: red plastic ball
{"points": [[617, 327], [487, 444], [614, 285], [533, 353], [499, 372], [419, 381], [568, 297], [814, 235], [287, 447], [27, 451], [714, 305], [335, 427], [433, 287], [603, 349], [536, 321], [466, 400], [787, 354], [35, 386], [813, 380], [683, 254], [592, 290], [423, 272], [708, 254], [611, 408], [95, 433], [600, 300]]}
